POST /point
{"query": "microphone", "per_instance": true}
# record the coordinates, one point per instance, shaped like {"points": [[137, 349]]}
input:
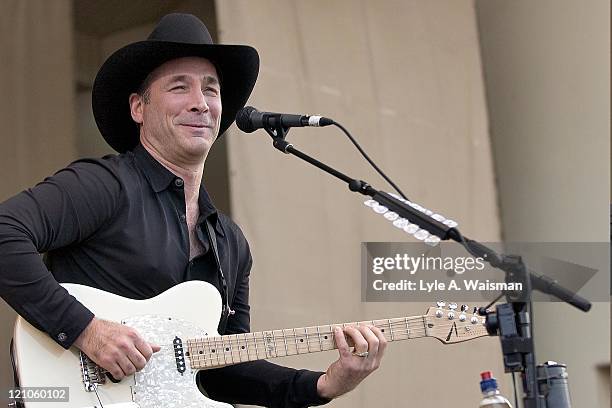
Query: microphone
{"points": [[250, 119]]}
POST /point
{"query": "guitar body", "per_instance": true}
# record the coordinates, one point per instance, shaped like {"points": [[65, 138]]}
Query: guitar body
{"points": [[186, 311]]}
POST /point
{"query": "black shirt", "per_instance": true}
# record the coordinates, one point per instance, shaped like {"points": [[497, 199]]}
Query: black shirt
{"points": [[119, 224]]}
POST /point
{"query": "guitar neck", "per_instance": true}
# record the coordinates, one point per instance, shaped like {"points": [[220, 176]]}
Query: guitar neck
{"points": [[211, 352]]}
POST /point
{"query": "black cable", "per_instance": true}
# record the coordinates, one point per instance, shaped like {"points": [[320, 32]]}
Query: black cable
{"points": [[347, 133], [516, 405]]}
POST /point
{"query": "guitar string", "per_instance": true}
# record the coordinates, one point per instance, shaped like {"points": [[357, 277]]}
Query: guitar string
{"points": [[210, 360], [295, 342], [397, 327], [311, 345], [291, 334], [382, 324]]}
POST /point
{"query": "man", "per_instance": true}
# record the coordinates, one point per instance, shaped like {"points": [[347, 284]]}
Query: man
{"points": [[141, 222]]}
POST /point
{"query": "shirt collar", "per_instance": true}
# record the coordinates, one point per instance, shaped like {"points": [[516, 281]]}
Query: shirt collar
{"points": [[160, 178]]}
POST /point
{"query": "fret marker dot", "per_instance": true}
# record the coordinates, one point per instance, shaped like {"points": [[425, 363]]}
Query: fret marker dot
{"points": [[301, 340], [325, 337], [242, 347], [227, 349], [200, 352]]}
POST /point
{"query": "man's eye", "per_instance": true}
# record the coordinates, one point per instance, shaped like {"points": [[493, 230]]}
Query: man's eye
{"points": [[212, 91], [179, 87]]}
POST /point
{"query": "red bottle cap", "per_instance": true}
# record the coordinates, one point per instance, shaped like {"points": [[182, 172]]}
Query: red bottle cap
{"points": [[486, 375]]}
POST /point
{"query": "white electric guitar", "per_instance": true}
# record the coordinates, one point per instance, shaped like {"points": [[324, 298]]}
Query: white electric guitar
{"points": [[183, 320]]}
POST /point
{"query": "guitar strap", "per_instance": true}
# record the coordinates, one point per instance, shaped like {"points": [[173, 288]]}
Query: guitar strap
{"points": [[226, 311]]}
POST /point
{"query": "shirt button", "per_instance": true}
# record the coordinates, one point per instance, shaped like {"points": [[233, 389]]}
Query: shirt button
{"points": [[179, 182], [182, 217], [62, 337]]}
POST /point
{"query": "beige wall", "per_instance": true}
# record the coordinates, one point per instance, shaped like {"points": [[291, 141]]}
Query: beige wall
{"points": [[405, 78], [36, 112], [547, 68]]}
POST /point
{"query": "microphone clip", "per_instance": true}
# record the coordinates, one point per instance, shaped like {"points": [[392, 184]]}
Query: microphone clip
{"points": [[278, 132]]}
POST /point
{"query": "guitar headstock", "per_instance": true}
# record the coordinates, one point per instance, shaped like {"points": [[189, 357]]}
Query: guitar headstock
{"points": [[451, 323]]}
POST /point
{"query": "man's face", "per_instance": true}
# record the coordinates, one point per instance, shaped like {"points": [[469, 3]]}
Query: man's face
{"points": [[180, 113]]}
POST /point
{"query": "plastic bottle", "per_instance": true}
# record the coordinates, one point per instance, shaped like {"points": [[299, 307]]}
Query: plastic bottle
{"points": [[492, 397]]}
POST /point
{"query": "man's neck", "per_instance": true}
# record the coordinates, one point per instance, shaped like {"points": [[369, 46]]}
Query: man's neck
{"points": [[191, 174]]}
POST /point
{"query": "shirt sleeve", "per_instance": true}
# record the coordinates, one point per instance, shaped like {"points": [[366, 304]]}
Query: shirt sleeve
{"points": [[257, 382], [65, 208]]}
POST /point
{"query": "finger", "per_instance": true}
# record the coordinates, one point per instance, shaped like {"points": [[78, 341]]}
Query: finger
{"points": [[371, 338], [341, 343], [155, 347], [126, 366], [144, 348], [360, 343], [116, 371], [382, 340], [136, 358]]}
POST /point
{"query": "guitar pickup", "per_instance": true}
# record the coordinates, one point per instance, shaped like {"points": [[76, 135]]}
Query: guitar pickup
{"points": [[179, 355]]}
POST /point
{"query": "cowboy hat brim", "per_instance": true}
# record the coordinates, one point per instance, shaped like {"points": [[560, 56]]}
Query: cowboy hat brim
{"points": [[125, 70]]}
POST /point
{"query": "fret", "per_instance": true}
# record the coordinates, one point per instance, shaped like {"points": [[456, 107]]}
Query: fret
{"points": [[332, 337], [241, 347], [274, 342], [246, 346], [201, 353], [196, 353], [255, 342], [297, 349], [206, 353], [190, 350], [215, 350], [229, 339], [407, 328], [268, 343], [285, 340], [390, 329], [320, 341], [307, 342]]}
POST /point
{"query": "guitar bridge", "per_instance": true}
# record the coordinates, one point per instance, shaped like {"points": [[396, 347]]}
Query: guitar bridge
{"points": [[93, 375]]}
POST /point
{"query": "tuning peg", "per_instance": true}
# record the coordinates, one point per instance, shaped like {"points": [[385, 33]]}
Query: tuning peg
{"points": [[451, 315], [464, 308], [462, 317], [452, 306], [474, 320], [440, 304], [370, 203], [439, 313]]}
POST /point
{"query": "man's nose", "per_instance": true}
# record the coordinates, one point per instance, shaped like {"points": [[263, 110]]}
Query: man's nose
{"points": [[198, 102]]}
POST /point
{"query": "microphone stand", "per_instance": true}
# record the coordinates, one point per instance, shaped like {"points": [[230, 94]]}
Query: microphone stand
{"points": [[511, 321]]}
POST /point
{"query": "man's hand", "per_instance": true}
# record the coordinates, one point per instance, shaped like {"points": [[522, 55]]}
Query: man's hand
{"points": [[350, 369], [117, 348]]}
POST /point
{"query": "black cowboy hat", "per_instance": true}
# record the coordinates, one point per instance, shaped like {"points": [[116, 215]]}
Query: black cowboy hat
{"points": [[175, 36]]}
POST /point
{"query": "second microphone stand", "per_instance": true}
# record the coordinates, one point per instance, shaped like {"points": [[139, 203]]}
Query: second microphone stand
{"points": [[511, 321]]}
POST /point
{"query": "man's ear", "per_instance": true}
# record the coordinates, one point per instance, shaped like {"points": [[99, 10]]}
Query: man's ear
{"points": [[136, 106]]}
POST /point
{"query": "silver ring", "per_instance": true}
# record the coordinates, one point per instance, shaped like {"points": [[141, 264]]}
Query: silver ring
{"points": [[363, 354]]}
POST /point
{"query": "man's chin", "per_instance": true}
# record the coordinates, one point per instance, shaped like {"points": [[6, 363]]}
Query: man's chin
{"points": [[198, 146]]}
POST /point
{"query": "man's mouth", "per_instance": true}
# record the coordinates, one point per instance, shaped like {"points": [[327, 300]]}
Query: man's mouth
{"points": [[195, 125]]}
